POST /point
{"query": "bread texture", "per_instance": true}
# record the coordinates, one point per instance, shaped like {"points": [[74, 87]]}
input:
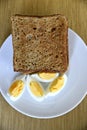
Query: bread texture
{"points": [[40, 44]]}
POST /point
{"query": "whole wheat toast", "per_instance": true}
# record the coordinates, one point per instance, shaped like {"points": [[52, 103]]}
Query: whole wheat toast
{"points": [[40, 44]]}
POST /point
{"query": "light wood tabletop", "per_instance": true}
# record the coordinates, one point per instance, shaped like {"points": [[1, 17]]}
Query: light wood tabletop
{"points": [[76, 12]]}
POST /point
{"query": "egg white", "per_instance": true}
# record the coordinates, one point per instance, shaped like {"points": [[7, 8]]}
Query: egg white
{"points": [[15, 98], [29, 79], [23, 78], [38, 78], [55, 93]]}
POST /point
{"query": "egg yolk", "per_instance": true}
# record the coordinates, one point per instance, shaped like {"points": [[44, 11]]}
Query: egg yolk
{"points": [[16, 88], [47, 76], [36, 89], [56, 84]]}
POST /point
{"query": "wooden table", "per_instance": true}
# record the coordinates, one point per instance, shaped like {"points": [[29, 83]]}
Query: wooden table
{"points": [[76, 12]]}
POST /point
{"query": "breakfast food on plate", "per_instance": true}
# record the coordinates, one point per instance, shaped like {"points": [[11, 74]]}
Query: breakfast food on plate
{"points": [[17, 88], [45, 77], [40, 44], [40, 50], [35, 89], [57, 85]]}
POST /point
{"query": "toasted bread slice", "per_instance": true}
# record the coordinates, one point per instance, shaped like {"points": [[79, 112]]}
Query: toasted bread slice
{"points": [[40, 44]]}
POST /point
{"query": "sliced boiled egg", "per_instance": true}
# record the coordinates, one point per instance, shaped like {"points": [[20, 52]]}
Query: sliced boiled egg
{"points": [[17, 88], [45, 77], [35, 89], [57, 85]]}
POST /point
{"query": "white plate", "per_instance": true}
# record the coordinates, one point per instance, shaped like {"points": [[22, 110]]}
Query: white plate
{"points": [[72, 94]]}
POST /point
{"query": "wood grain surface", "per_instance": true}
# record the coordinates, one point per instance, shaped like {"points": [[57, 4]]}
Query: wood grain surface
{"points": [[76, 12]]}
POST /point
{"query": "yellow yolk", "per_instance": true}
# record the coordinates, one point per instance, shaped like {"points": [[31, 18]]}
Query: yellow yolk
{"points": [[56, 84], [16, 88], [47, 76], [36, 89]]}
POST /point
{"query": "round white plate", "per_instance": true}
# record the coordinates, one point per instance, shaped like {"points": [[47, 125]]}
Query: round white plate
{"points": [[72, 94]]}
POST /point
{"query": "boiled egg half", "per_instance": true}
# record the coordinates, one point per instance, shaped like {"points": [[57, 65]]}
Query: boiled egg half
{"points": [[45, 77], [17, 88], [57, 85], [35, 89]]}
